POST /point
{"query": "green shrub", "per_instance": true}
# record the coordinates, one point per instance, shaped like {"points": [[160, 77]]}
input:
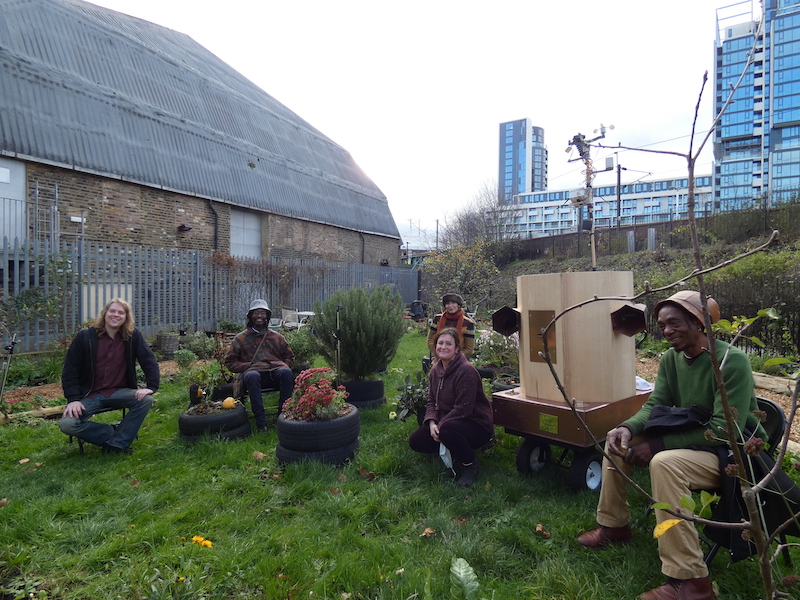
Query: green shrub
{"points": [[21, 372], [651, 347], [769, 365], [49, 366], [185, 358], [229, 326], [369, 324], [303, 345], [200, 344]]}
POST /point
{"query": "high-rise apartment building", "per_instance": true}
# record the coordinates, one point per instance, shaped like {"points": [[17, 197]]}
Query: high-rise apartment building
{"points": [[639, 203], [757, 142], [523, 160]]}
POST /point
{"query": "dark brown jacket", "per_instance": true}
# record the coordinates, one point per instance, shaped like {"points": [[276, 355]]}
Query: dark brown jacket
{"points": [[457, 393], [273, 353]]}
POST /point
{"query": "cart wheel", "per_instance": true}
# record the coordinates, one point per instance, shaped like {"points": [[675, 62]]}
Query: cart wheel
{"points": [[586, 471], [532, 456]]}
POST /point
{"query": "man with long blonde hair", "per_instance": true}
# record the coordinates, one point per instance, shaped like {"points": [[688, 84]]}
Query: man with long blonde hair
{"points": [[100, 373]]}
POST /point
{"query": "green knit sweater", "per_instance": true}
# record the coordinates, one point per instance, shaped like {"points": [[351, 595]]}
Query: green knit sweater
{"points": [[682, 384]]}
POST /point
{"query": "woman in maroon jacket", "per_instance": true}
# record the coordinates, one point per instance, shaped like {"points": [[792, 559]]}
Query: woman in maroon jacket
{"points": [[458, 414]]}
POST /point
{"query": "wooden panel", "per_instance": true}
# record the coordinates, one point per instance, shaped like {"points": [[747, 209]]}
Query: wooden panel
{"points": [[594, 363]]}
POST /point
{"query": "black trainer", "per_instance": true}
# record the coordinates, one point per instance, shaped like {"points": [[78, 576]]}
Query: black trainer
{"points": [[109, 449], [468, 475]]}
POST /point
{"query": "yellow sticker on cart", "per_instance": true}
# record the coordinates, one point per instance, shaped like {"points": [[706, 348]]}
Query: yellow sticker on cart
{"points": [[548, 423]]}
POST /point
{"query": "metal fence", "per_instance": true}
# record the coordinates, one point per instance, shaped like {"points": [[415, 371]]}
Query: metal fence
{"points": [[49, 291]]}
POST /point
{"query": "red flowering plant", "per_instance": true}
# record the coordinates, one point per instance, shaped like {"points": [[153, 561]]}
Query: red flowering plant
{"points": [[315, 398]]}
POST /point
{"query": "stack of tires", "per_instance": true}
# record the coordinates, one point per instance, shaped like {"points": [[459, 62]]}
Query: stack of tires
{"points": [[230, 424], [331, 442]]}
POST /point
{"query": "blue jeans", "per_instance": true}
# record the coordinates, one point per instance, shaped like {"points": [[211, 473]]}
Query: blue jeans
{"points": [[254, 381], [122, 435]]}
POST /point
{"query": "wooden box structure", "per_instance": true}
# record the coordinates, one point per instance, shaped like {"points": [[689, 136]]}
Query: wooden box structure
{"points": [[594, 363]]}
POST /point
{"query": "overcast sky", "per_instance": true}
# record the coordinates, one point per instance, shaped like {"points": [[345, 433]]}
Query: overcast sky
{"points": [[416, 90]]}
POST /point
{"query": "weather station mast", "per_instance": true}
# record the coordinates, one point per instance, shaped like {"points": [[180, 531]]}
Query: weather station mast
{"points": [[584, 197]]}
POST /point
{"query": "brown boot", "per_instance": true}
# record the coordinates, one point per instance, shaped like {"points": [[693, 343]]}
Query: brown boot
{"points": [[602, 536], [682, 589]]}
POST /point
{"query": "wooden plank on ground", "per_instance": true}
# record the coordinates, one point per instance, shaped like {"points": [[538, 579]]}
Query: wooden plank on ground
{"points": [[44, 413]]}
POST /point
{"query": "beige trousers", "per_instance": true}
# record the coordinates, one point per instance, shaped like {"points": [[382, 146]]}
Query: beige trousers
{"points": [[673, 473]]}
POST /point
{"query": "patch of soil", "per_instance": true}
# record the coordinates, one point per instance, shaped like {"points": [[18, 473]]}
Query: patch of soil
{"points": [[46, 394], [208, 407]]}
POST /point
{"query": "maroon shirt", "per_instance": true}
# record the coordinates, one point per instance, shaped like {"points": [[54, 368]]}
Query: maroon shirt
{"points": [[109, 370]]}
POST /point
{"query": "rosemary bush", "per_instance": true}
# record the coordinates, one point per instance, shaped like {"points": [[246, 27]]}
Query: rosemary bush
{"points": [[369, 325]]}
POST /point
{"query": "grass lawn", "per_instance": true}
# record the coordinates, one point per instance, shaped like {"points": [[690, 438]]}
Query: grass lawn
{"points": [[108, 526]]}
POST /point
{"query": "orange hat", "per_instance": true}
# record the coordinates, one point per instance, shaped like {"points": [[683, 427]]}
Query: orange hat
{"points": [[689, 300]]}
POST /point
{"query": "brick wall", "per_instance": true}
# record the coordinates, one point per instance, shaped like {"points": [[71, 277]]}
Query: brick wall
{"points": [[126, 213], [291, 238]]}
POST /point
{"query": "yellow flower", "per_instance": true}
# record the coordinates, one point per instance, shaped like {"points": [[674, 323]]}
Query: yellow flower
{"points": [[181, 579], [207, 543], [392, 416]]}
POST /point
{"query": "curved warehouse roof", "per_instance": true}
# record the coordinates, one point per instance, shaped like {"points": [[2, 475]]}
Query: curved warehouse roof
{"points": [[92, 89]]}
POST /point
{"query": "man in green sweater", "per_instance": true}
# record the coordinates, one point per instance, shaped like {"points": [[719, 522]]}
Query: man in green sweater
{"points": [[678, 462]]}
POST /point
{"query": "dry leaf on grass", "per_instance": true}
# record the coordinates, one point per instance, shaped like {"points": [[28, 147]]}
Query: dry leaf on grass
{"points": [[542, 531], [429, 531]]}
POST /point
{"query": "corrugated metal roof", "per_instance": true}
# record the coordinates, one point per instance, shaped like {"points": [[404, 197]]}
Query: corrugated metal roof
{"points": [[96, 90]]}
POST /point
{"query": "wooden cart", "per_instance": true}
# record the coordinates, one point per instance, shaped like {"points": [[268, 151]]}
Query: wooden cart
{"points": [[542, 423]]}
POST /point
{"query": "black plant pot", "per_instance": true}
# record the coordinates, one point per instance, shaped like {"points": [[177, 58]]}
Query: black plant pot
{"points": [[220, 393], [504, 383], [365, 394], [193, 397], [485, 372], [223, 391]]}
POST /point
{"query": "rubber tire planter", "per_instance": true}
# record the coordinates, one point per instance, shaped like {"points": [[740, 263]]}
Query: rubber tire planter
{"points": [[332, 442], [336, 456], [227, 424], [365, 394]]}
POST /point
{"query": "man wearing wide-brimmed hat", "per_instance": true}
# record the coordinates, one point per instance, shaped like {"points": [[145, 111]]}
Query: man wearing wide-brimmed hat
{"points": [[680, 460], [455, 317], [264, 358]]}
